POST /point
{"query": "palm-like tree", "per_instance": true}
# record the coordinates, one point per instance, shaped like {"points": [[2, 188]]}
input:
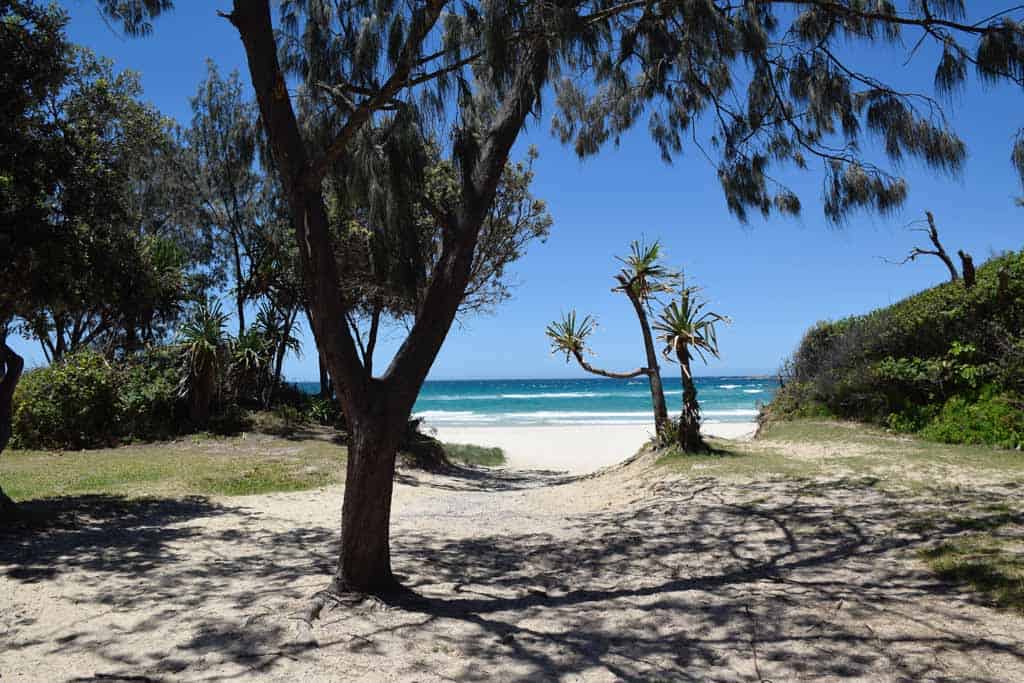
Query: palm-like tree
{"points": [[643, 276], [642, 279], [277, 326], [203, 344], [686, 326], [251, 355]]}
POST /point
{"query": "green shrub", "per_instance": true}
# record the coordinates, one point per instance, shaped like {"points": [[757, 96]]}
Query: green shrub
{"points": [[70, 404], [323, 411], [993, 419], [903, 365], [148, 400]]}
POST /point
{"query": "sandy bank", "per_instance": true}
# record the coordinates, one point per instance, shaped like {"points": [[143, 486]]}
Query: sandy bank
{"points": [[577, 449]]}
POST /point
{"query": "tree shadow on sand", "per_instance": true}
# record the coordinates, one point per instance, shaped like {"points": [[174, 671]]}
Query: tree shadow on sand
{"points": [[701, 580]]}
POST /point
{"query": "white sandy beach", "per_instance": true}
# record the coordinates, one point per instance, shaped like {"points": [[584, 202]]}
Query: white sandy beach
{"points": [[578, 449]]}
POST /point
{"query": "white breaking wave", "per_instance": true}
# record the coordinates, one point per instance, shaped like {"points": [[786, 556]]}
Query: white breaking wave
{"points": [[562, 394], [566, 417], [728, 386], [498, 397], [753, 391]]}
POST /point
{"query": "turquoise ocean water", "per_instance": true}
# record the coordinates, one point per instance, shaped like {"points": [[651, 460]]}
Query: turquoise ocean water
{"points": [[510, 402]]}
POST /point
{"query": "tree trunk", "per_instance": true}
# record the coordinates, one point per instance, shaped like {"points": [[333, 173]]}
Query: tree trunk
{"points": [[239, 292], [689, 421], [654, 371], [967, 266], [200, 397], [364, 564], [326, 391], [12, 365]]}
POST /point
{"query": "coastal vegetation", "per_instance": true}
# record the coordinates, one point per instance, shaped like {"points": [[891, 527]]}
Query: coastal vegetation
{"points": [[390, 196], [946, 363], [642, 278], [684, 325]]}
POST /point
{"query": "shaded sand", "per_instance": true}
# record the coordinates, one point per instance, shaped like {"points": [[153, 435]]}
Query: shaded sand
{"points": [[635, 574], [578, 449]]}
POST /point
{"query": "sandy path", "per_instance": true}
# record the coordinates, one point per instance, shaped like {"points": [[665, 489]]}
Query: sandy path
{"points": [[519, 576], [578, 449]]}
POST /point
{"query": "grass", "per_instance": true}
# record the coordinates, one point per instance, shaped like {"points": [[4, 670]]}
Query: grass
{"points": [[962, 500], [992, 566], [825, 449], [201, 465], [469, 454]]}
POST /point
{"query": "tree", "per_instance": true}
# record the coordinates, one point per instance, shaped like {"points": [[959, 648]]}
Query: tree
{"points": [[394, 66], [121, 270], [641, 280], [203, 348], [33, 46], [685, 326], [220, 168], [938, 251]]}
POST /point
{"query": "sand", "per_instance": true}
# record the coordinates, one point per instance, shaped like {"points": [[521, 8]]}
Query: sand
{"points": [[577, 449], [635, 574]]}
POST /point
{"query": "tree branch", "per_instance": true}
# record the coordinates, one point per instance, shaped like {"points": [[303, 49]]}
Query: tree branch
{"points": [[607, 373]]}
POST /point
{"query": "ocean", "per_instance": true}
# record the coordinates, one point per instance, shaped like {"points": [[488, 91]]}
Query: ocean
{"points": [[511, 402]]}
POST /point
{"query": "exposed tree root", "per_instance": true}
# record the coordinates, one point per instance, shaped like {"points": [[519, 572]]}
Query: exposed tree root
{"points": [[339, 596]]}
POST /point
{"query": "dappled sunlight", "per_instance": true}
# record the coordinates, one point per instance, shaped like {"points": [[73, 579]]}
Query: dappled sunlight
{"points": [[697, 577]]}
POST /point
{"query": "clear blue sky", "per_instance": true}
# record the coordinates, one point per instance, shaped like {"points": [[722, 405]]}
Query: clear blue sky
{"points": [[774, 278]]}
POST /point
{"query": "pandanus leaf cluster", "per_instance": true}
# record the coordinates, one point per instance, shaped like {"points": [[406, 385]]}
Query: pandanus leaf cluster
{"points": [[569, 335], [686, 324]]}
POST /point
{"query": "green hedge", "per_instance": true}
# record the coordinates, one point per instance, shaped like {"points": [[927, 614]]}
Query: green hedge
{"points": [[947, 362], [85, 401]]}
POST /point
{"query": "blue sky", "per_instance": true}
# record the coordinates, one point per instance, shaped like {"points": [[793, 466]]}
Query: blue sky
{"points": [[774, 278]]}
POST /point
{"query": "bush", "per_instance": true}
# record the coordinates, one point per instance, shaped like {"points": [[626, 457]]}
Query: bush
{"points": [[323, 411], [71, 404], [920, 364], [148, 398], [994, 419]]}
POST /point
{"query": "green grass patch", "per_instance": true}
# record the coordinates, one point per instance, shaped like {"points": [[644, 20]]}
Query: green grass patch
{"points": [[470, 454], [736, 462], [194, 466], [991, 566]]}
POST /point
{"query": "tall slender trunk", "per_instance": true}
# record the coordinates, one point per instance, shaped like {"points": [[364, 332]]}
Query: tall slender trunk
{"points": [[689, 421], [654, 371], [12, 365], [239, 293]]}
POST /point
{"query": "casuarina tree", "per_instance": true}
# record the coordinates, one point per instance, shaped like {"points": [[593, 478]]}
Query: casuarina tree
{"points": [[765, 84]]}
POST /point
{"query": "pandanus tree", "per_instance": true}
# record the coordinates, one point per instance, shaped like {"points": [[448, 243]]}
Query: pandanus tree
{"points": [[686, 327], [642, 278], [203, 349]]}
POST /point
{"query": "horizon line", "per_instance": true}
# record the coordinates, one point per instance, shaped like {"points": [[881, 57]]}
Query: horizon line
{"points": [[750, 375]]}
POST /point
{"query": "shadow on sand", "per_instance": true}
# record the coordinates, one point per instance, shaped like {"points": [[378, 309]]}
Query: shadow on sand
{"points": [[703, 581]]}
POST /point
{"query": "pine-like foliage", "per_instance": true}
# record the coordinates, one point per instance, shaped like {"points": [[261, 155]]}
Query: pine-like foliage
{"points": [[755, 85]]}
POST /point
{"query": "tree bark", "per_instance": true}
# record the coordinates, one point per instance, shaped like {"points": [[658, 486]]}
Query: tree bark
{"points": [[689, 438], [12, 365], [967, 267], [364, 563], [653, 369]]}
